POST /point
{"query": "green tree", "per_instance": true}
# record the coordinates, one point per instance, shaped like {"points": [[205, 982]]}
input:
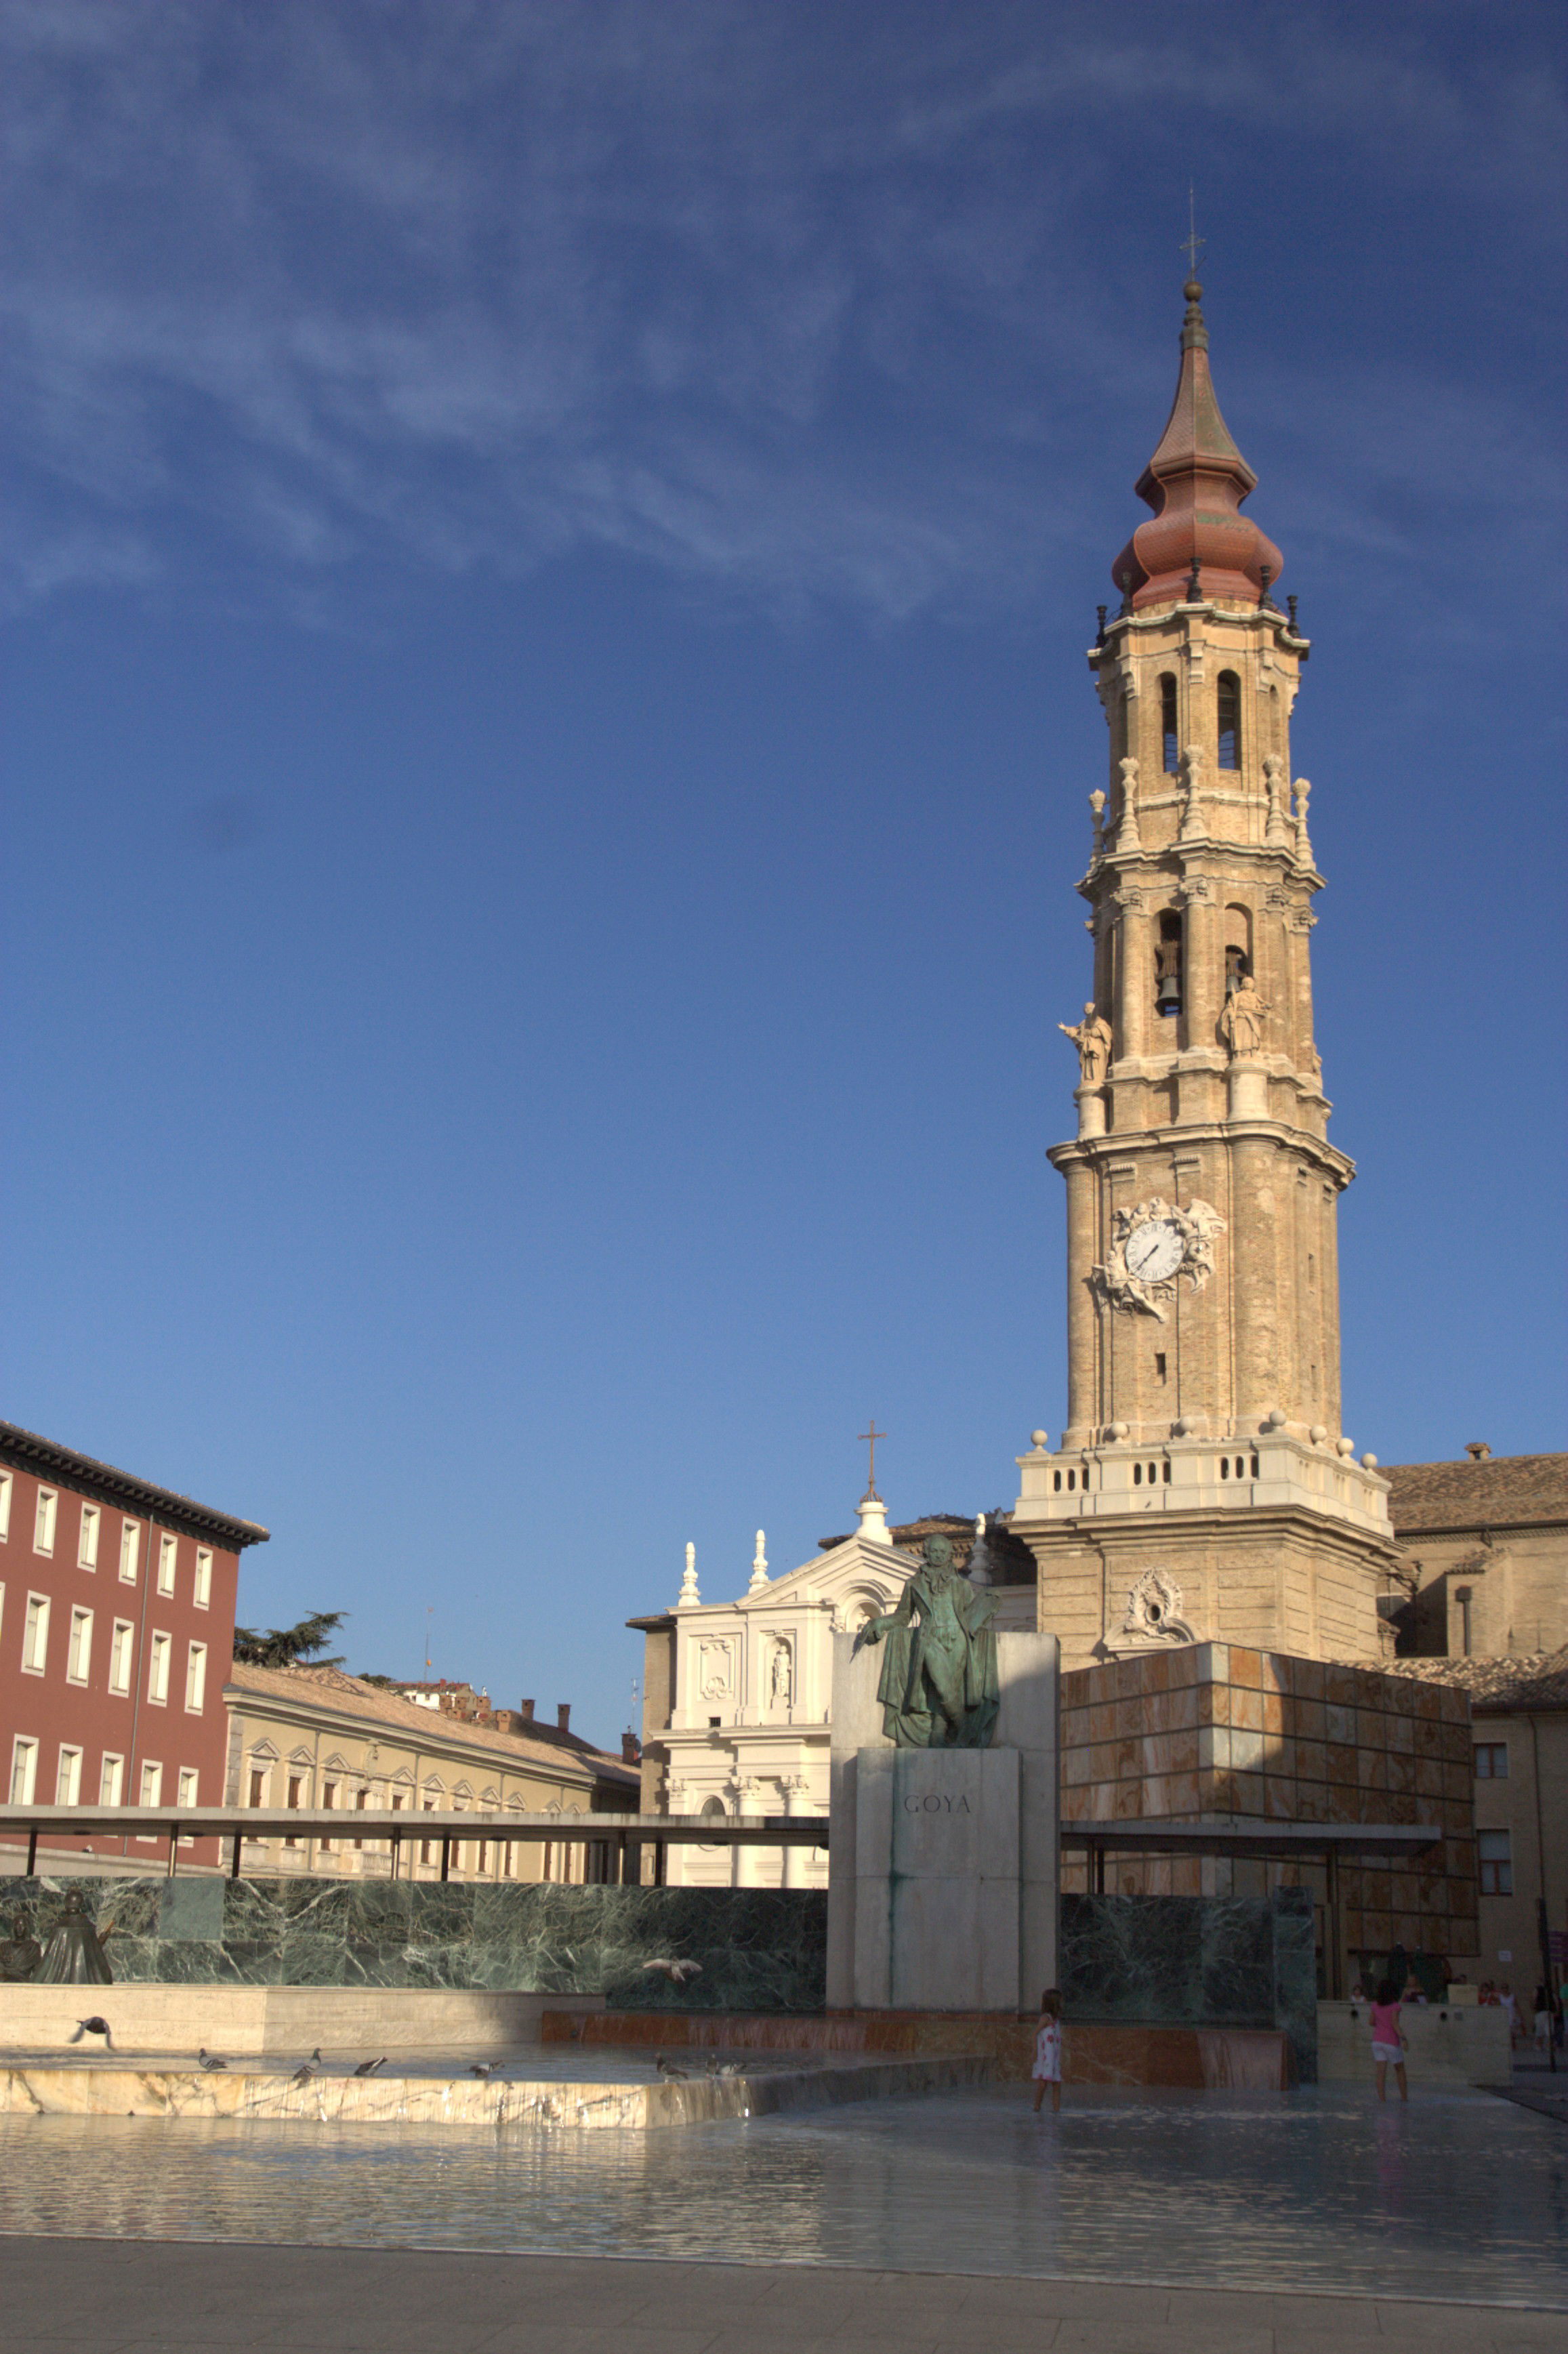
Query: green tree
{"points": [[290, 1647]]}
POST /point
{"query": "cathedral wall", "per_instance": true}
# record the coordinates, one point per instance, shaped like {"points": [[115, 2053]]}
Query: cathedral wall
{"points": [[1264, 1579]]}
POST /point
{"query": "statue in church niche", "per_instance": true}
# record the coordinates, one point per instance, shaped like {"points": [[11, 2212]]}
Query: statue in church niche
{"points": [[74, 1955], [781, 1677], [939, 1687], [20, 1953], [1243, 1019], [1092, 1037]]}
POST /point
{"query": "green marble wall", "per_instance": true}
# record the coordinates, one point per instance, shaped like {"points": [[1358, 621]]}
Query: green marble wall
{"points": [[1189, 1961], [760, 1948], [1195, 1961]]}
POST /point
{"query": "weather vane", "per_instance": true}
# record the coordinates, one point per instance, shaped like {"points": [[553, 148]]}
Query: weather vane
{"points": [[873, 1435], [1192, 244]]}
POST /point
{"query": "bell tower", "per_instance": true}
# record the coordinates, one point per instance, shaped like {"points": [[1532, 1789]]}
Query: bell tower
{"points": [[1204, 1488]]}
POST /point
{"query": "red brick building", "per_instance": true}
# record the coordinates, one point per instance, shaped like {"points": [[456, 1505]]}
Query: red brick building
{"points": [[117, 1603]]}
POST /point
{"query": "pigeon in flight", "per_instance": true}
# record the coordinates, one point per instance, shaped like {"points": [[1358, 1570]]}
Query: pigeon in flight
{"points": [[676, 1972], [94, 2026]]}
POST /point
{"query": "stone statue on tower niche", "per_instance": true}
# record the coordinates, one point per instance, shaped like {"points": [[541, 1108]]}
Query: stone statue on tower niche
{"points": [[939, 1687], [1093, 1039], [1243, 1019]]}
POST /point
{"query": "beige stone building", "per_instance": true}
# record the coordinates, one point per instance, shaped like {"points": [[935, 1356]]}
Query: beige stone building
{"points": [[1484, 1554], [308, 1736], [1518, 1723], [1205, 1485]]}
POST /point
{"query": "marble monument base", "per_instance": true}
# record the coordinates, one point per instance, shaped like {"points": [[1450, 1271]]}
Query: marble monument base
{"points": [[943, 1864]]}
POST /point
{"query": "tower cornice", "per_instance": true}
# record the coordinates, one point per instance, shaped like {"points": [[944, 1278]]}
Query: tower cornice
{"points": [[1118, 1145]]}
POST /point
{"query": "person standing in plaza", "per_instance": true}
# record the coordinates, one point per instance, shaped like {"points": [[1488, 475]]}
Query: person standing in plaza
{"points": [[1047, 2068], [1388, 2040]]}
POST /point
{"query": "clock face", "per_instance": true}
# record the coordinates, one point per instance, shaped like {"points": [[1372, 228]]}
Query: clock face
{"points": [[1155, 1250]]}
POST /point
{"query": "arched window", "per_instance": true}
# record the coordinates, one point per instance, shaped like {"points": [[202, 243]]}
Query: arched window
{"points": [[1230, 720], [1170, 754], [1238, 948], [1168, 965]]}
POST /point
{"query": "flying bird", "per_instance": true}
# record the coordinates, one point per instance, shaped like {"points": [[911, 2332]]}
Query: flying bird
{"points": [[94, 2026], [676, 1972], [207, 2061], [369, 2067]]}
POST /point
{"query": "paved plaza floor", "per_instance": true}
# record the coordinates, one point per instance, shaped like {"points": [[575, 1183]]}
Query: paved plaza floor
{"points": [[1312, 2221]]}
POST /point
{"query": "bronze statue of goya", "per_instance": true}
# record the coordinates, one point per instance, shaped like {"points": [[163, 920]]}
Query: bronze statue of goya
{"points": [[939, 1687]]}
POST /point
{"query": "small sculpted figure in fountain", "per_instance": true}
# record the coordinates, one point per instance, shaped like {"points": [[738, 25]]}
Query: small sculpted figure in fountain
{"points": [[74, 1955], [939, 1687], [20, 1953]]}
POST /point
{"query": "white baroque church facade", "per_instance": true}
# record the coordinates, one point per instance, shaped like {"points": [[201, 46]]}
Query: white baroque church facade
{"points": [[738, 1697]]}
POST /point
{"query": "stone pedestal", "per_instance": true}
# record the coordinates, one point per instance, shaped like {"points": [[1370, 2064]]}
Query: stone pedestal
{"points": [[943, 1867]]}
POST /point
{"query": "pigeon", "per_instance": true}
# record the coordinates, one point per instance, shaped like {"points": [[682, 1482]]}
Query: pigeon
{"points": [[667, 2069], [94, 2026], [484, 2067], [303, 2072], [369, 2067], [207, 2061], [676, 1972]]}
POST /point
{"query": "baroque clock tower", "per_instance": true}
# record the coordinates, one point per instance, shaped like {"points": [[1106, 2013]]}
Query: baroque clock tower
{"points": [[1204, 1488]]}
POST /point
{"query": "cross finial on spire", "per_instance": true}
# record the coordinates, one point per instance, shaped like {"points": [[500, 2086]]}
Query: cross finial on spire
{"points": [[1192, 244], [873, 1435]]}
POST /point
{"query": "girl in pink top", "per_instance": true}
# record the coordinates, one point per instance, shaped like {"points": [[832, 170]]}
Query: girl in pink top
{"points": [[1047, 2068], [1388, 2040]]}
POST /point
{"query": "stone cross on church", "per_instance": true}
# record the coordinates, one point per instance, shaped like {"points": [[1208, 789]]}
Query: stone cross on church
{"points": [[1204, 1487]]}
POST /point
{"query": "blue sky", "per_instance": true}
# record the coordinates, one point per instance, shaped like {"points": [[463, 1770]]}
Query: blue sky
{"points": [[552, 551]]}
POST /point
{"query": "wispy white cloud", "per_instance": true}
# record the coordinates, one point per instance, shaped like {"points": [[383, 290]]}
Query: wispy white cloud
{"points": [[806, 302]]}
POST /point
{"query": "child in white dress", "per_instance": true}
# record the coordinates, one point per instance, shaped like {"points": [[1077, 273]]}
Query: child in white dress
{"points": [[1047, 2068]]}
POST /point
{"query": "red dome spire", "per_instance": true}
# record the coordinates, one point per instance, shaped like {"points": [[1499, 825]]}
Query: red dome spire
{"points": [[1195, 482]]}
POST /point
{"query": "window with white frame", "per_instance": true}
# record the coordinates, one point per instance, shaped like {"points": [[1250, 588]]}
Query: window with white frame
{"points": [[122, 1645], [79, 1652], [195, 1678], [6, 1486], [151, 1789], [189, 1783], [158, 1668], [130, 1551], [44, 1521], [204, 1578], [36, 1635], [67, 1777], [24, 1770], [111, 1780], [86, 1542], [168, 1549]]}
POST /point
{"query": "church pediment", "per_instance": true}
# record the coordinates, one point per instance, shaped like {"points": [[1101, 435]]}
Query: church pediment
{"points": [[855, 1573]]}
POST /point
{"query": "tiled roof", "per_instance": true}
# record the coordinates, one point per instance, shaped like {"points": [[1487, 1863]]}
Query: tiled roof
{"points": [[1500, 1491], [349, 1696], [1515, 1680], [28, 1452]]}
